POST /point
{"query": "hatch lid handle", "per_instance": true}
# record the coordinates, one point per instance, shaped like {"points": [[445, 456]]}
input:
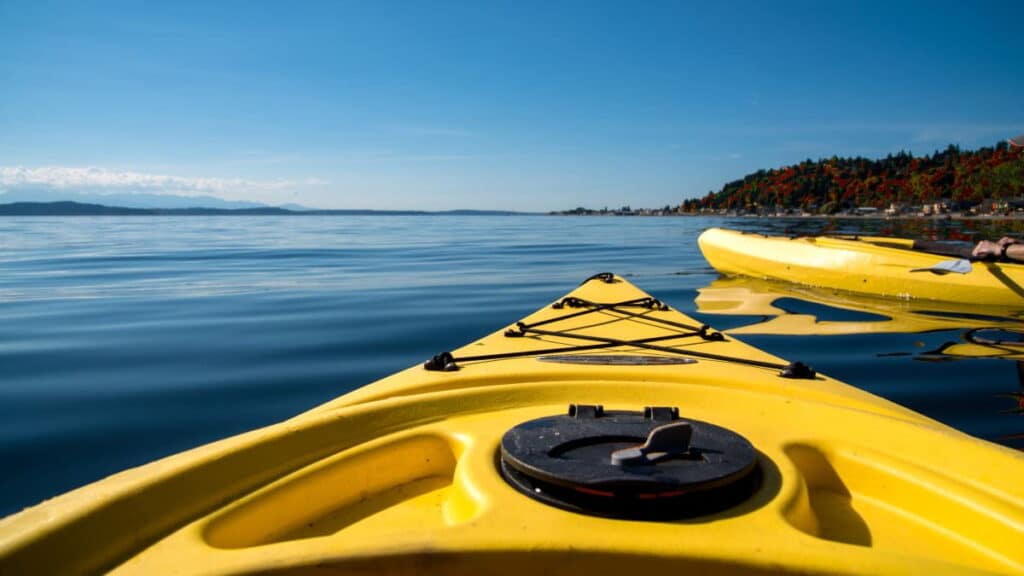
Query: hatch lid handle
{"points": [[666, 441]]}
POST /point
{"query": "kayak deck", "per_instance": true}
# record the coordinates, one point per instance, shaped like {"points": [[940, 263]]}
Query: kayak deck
{"points": [[886, 267], [403, 475]]}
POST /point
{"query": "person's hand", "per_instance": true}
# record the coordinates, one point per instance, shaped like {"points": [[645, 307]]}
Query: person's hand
{"points": [[1006, 241], [987, 249]]}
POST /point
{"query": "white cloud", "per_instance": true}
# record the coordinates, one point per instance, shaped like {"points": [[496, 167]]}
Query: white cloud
{"points": [[103, 180]]}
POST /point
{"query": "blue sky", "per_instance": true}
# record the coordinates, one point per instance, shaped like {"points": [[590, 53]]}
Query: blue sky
{"points": [[518, 105]]}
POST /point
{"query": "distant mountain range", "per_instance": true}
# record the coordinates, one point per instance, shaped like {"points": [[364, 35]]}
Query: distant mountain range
{"points": [[67, 208], [129, 200]]}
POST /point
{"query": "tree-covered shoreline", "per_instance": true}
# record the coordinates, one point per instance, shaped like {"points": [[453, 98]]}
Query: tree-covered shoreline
{"points": [[959, 179]]}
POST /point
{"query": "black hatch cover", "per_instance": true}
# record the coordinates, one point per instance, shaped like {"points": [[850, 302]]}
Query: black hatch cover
{"points": [[636, 465]]}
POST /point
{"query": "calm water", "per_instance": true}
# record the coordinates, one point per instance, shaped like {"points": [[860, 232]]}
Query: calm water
{"points": [[125, 339]]}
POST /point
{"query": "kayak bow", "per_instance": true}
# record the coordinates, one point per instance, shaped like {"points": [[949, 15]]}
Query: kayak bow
{"points": [[606, 433]]}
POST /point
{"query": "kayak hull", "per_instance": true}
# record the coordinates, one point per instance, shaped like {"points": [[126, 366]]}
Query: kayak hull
{"points": [[402, 476], [869, 265]]}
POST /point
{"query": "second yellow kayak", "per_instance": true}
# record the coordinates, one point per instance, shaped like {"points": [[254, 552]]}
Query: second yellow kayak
{"points": [[886, 267]]}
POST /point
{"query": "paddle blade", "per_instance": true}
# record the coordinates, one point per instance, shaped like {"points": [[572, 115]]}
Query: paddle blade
{"points": [[959, 266]]}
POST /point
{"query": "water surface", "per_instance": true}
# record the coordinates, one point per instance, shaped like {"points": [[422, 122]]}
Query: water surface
{"points": [[124, 339]]}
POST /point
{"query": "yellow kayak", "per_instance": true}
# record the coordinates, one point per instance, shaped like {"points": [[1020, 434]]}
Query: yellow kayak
{"points": [[887, 267], [604, 434]]}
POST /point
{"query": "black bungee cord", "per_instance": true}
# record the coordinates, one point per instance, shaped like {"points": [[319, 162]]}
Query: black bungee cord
{"points": [[448, 363]]}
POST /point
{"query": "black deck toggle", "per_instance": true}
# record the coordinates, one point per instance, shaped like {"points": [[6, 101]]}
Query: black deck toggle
{"points": [[443, 362], [798, 370]]}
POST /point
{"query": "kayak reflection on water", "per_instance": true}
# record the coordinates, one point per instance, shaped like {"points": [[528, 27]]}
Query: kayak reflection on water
{"points": [[981, 339]]}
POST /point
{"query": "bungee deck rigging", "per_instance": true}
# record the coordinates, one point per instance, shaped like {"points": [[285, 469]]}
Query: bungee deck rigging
{"points": [[445, 361]]}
